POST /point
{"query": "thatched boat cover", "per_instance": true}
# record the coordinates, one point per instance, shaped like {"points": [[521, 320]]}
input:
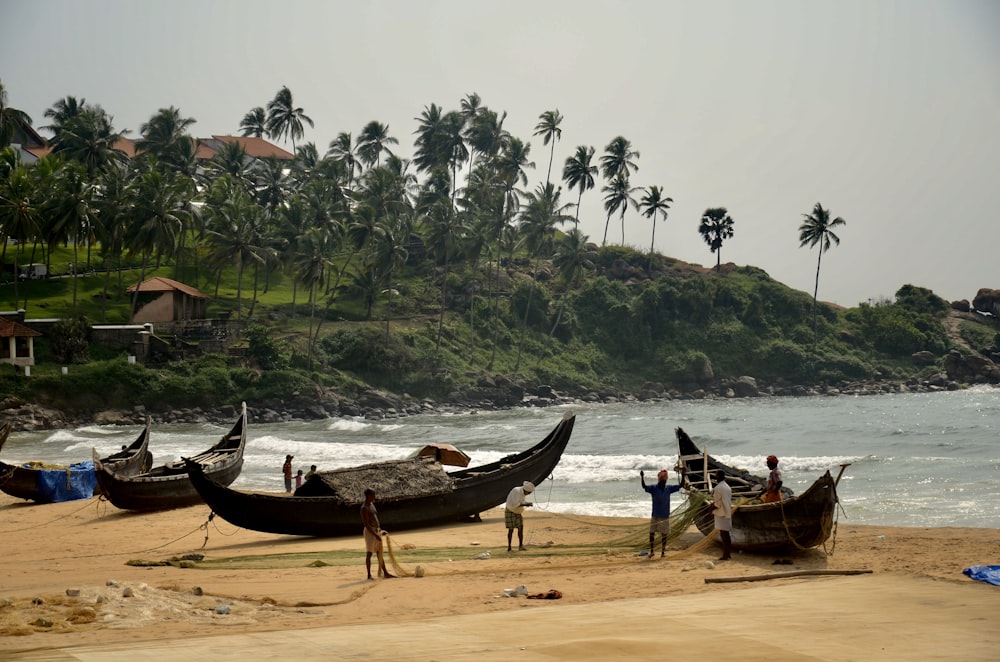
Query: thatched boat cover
{"points": [[394, 480]]}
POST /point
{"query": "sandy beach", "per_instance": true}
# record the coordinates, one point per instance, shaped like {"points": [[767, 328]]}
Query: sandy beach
{"points": [[84, 581]]}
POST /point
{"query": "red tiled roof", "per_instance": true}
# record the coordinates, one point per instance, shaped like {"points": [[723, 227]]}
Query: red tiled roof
{"points": [[10, 328], [160, 284], [126, 145], [258, 148]]}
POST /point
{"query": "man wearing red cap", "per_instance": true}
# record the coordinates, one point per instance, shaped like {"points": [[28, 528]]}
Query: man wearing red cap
{"points": [[773, 492], [659, 522]]}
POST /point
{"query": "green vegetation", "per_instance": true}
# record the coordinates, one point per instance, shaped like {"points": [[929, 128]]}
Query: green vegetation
{"points": [[357, 267]]}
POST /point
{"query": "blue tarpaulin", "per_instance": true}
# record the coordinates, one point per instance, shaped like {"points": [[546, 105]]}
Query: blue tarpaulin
{"points": [[75, 482], [984, 573]]}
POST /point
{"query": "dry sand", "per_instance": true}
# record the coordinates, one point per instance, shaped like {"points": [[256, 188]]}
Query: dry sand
{"points": [[259, 596]]}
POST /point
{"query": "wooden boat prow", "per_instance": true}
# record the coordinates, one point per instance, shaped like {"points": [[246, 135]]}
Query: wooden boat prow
{"points": [[168, 485]]}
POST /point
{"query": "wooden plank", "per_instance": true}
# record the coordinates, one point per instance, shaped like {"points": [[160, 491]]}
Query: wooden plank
{"points": [[782, 575]]}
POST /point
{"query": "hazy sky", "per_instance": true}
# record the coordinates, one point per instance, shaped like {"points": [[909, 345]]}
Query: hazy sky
{"points": [[887, 113]]}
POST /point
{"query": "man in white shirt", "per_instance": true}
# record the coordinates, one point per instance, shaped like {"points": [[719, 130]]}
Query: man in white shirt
{"points": [[516, 503], [722, 508]]}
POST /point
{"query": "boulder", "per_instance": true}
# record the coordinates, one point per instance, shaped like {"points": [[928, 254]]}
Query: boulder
{"points": [[923, 357], [987, 301], [746, 387], [971, 368], [962, 306]]}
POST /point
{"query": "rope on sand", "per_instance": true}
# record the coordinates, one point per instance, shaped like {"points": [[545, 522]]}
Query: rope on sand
{"points": [[400, 570]]}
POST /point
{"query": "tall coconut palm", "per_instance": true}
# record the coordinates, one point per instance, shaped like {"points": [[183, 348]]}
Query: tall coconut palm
{"points": [[373, 142], [233, 231], [446, 229], [469, 109], [311, 262], [618, 195], [160, 214], [542, 212], [342, 150], [817, 230], [572, 260], [62, 112], [440, 142], [72, 212], [486, 134], [165, 136], [88, 138], [619, 159], [10, 119], [284, 119], [716, 226], [19, 214], [579, 173], [652, 204], [548, 129], [254, 123]]}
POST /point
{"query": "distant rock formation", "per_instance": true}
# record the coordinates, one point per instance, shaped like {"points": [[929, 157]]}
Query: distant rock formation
{"points": [[987, 301]]}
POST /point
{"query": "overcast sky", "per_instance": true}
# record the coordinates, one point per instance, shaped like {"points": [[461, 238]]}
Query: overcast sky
{"points": [[887, 113]]}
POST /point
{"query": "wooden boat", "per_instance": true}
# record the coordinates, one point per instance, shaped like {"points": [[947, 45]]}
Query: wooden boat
{"points": [[801, 521], [168, 485], [45, 484], [455, 496]]}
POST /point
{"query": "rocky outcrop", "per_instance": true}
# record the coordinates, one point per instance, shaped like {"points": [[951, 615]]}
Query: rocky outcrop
{"points": [[971, 368], [987, 301]]}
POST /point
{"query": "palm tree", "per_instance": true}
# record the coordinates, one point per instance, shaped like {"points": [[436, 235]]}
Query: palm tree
{"points": [[19, 214], [654, 203], [548, 129], [716, 226], [71, 212], [618, 195], [10, 119], [440, 143], [817, 229], [233, 231], [344, 151], [510, 167], [164, 136], [542, 212], [446, 229], [87, 137], [284, 119], [572, 260], [311, 263], [62, 112], [254, 123], [579, 173], [160, 214], [619, 159], [373, 142]]}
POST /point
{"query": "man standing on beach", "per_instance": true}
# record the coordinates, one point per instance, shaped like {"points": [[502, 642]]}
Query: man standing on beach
{"points": [[773, 492], [659, 522], [722, 508], [516, 503], [373, 535], [286, 469]]}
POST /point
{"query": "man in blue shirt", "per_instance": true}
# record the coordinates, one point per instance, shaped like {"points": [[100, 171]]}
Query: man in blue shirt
{"points": [[660, 520]]}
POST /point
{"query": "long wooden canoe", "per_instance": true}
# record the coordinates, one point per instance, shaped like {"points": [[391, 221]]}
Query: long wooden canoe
{"points": [[168, 485], [460, 495], [31, 480]]}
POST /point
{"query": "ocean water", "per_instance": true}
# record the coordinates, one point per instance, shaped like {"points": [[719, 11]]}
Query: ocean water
{"points": [[921, 459]]}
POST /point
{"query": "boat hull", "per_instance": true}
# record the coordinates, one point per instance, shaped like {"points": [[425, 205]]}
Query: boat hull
{"points": [[475, 490], [796, 522], [32, 484], [169, 486], [802, 521]]}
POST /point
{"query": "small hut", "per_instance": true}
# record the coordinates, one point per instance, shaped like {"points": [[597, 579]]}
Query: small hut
{"points": [[17, 343], [166, 300]]}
